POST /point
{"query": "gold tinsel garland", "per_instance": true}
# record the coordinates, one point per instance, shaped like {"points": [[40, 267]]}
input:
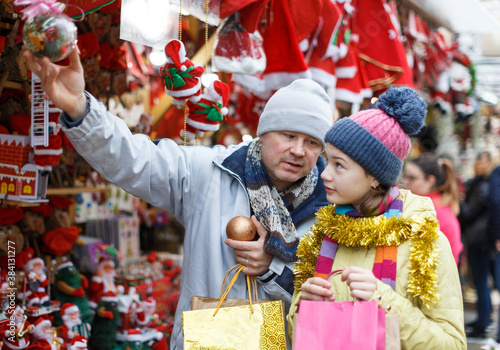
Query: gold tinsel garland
{"points": [[376, 231]]}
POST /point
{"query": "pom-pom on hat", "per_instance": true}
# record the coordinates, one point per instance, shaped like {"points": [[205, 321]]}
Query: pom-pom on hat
{"points": [[221, 90], [378, 138], [176, 52], [303, 106]]}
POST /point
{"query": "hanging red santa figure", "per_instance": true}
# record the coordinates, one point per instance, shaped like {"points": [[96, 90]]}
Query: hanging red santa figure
{"points": [[182, 78], [44, 336], [79, 343], [207, 114], [103, 282], [16, 335], [47, 157], [73, 325], [32, 286]]}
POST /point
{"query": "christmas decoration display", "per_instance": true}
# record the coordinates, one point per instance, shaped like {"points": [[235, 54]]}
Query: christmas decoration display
{"points": [[240, 228], [73, 325], [21, 328], [105, 322], [33, 222], [70, 286], [236, 50], [47, 32], [9, 229], [181, 78], [45, 336], [103, 283], [208, 112], [78, 343], [32, 288]]}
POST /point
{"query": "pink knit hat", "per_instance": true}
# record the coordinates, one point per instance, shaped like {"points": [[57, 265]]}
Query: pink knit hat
{"points": [[378, 139], [386, 129]]}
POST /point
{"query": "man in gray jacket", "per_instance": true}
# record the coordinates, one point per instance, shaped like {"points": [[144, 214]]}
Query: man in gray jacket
{"points": [[274, 178]]}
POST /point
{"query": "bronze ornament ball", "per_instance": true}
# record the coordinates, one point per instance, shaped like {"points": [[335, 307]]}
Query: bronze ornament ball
{"points": [[240, 228]]}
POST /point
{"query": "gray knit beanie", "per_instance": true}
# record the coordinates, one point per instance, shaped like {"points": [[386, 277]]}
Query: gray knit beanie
{"points": [[303, 106]]}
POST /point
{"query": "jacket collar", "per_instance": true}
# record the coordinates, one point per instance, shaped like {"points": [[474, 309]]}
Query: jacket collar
{"points": [[233, 163]]}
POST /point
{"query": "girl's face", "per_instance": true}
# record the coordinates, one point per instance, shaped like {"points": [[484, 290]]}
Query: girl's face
{"points": [[346, 182], [415, 180]]}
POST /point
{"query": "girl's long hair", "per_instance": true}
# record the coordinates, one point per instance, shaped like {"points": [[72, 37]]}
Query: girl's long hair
{"points": [[446, 181]]}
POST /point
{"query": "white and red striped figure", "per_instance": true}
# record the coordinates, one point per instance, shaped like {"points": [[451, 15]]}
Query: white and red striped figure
{"points": [[181, 77], [209, 111]]}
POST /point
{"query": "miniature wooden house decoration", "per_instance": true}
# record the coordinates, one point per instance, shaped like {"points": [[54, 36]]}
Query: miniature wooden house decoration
{"points": [[19, 178]]}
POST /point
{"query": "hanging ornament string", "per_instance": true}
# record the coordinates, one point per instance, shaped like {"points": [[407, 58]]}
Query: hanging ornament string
{"points": [[180, 39], [40, 7], [206, 35]]}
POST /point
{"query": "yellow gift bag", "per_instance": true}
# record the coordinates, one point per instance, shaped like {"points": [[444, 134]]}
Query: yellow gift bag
{"points": [[256, 326]]}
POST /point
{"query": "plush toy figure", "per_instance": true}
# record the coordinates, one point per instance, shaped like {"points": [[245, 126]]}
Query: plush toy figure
{"points": [[105, 321], [70, 287], [206, 114], [32, 286], [104, 282], [73, 325], [45, 337], [22, 329], [180, 76], [148, 317], [33, 222]]}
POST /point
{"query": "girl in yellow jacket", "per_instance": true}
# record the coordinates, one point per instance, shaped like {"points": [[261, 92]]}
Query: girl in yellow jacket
{"points": [[385, 239]]}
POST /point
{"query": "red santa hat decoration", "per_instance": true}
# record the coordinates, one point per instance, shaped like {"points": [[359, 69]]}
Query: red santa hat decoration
{"points": [[69, 308], [206, 114], [78, 343], [31, 263], [180, 76], [40, 323]]}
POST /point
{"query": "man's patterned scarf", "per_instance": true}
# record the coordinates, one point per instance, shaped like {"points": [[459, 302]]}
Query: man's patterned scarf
{"points": [[272, 208]]}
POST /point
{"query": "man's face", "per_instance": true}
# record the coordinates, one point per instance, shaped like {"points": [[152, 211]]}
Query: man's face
{"points": [[288, 156]]}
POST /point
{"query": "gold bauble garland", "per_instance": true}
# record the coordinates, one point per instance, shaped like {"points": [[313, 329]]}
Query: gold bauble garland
{"points": [[376, 231]]}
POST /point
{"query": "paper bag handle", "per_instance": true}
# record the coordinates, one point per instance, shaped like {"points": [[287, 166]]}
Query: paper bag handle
{"points": [[250, 283], [327, 277]]}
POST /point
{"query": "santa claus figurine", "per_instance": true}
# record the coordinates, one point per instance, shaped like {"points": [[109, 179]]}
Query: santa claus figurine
{"points": [[44, 336], [78, 343], [32, 287], [103, 282], [180, 76], [147, 317], [73, 325], [206, 114], [16, 336]]}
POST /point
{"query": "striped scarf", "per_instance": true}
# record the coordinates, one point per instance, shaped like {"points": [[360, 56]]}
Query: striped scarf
{"points": [[272, 208], [385, 264]]}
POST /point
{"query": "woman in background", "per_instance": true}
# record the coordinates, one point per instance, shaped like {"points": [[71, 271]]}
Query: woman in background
{"points": [[433, 177]]}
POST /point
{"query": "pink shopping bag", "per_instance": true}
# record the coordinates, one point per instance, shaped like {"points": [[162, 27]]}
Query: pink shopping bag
{"points": [[340, 325]]}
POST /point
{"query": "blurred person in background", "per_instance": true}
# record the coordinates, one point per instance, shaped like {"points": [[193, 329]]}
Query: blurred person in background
{"points": [[433, 177], [494, 225], [474, 216]]}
